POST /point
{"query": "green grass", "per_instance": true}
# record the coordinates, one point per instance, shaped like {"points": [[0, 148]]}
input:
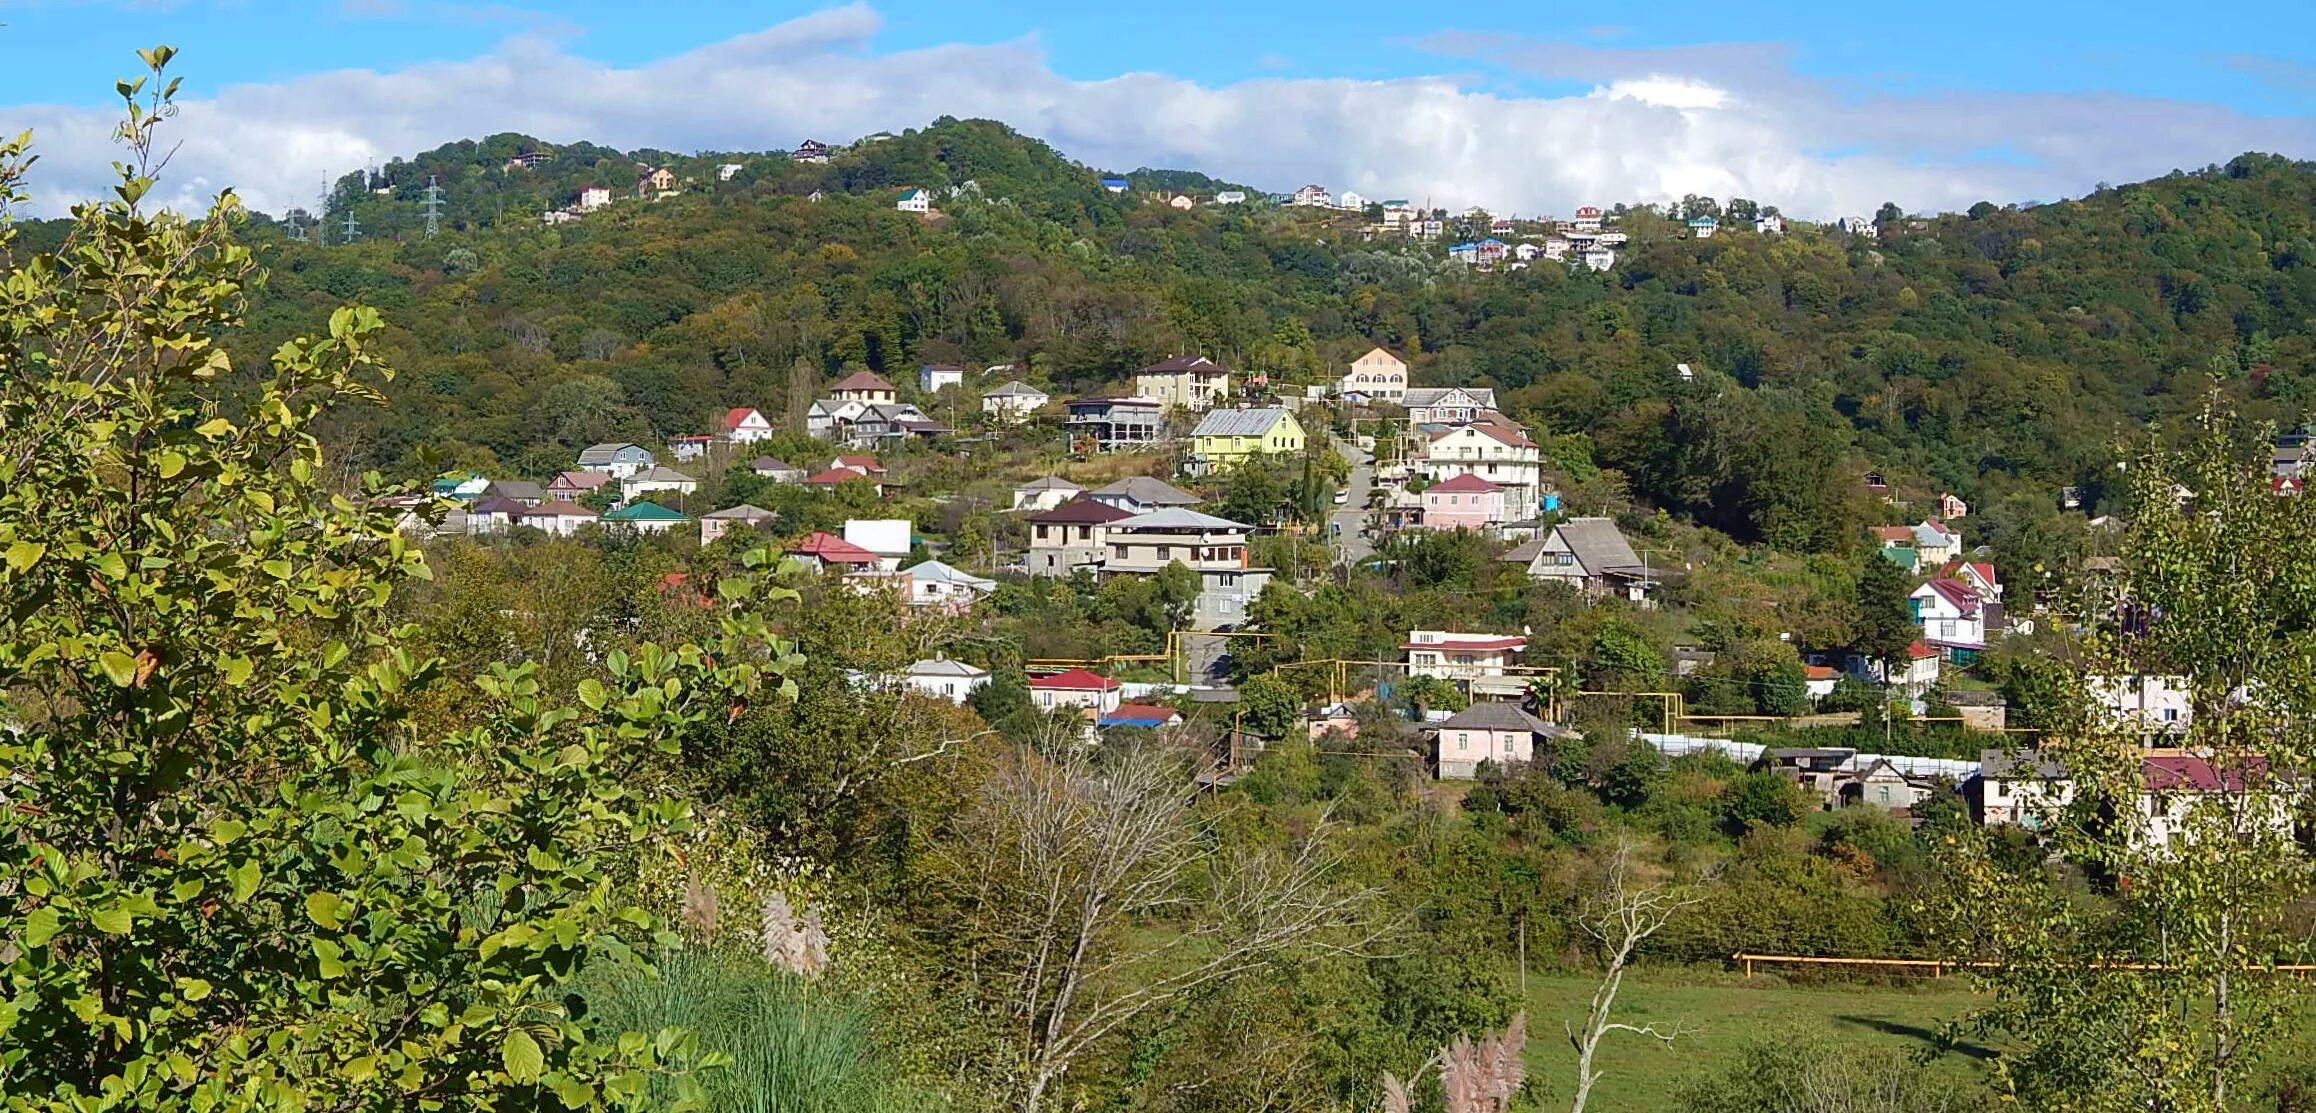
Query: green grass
{"points": [[1719, 1014]]}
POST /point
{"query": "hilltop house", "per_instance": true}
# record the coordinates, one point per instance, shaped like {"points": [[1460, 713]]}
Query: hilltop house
{"points": [[744, 425], [655, 183], [1181, 202], [1587, 219], [1588, 553], [866, 387], [1703, 227], [1045, 494], [1312, 195], [656, 480], [1104, 424], [943, 678], [1467, 657], [1489, 731], [643, 517], [1069, 537], [1465, 502], [1447, 405], [1493, 449], [558, 518], [914, 201], [1225, 439], [1230, 197], [1378, 375], [1093, 693], [615, 460], [1770, 224], [1599, 258], [933, 583], [1183, 382], [811, 150], [717, 523], [593, 197], [1141, 494], [1114, 185], [933, 377], [1014, 402]]}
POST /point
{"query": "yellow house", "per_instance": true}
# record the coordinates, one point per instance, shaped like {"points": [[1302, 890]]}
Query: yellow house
{"points": [[1227, 437]]}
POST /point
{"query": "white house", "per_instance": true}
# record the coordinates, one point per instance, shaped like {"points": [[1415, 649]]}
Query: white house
{"points": [[888, 538], [914, 201], [744, 425], [1599, 259], [1447, 405], [1703, 227], [689, 448], [933, 583], [618, 460], [1952, 616], [1378, 375], [593, 197], [2019, 788], [1091, 692], [1452, 655], [559, 518], [1770, 224], [1312, 195], [943, 678], [655, 480], [1014, 402], [1350, 200], [1230, 197], [933, 377], [1493, 449], [726, 171], [1044, 494], [1588, 219], [2144, 704]]}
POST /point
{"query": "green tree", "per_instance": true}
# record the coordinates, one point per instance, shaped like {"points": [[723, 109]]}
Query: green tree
{"points": [[1270, 707], [239, 877], [1885, 625]]}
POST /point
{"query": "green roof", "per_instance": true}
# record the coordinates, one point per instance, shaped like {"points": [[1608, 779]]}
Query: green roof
{"points": [[1901, 556], [644, 512]]}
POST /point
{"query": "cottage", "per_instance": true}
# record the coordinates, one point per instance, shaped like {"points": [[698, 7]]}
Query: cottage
{"points": [[1070, 537], [935, 377], [1106, 424], [2175, 785], [1449, 405], [1225, 439], [717, 523], [654, 481], [828, 552], [943, 678], [1491, 731], [643, 517], [1599, 259], [520, 490], [1590, 554], [1465, 502], [865, 387], [1014, 402], [914, 201], [935, 584], [1045, 494], [1770, 224], [593, 197], [1466, 657], [1882, 785], [618, 460], [1980, 710], [1093, 694], [1703, 227], [726, 171], [1141, 494], [1378, 375], [1230, 197], [1952, 617], [2018, 788], [744, 425], [655, 183], [492, 514], [1312, 196], [776, 470], [1183, 382], [1817, 770], [1916, 673], [558, 517], [1952, 508], [811, 150], [568, 485], [689, 448]]}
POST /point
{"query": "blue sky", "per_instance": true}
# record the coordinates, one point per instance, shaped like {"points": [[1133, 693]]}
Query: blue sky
{"points": [[1635, 100]]}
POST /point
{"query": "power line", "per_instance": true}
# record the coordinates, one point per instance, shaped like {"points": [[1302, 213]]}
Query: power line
{"points": [[433, 206], [353, 229]]}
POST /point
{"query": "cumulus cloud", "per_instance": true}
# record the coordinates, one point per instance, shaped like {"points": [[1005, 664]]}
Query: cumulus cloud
{"points": [[1646, 124]]}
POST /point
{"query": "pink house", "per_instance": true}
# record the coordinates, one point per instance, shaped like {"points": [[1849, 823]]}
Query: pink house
{"points": [[1488, 731], [1465, 502]]}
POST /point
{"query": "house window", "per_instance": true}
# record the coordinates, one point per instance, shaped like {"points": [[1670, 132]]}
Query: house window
{"points": [[2171, 714], [1085, 533], [1884, 793], [1041, 535], [1227, 579], [1165, 552], [1463, 741], [1119, 551]]}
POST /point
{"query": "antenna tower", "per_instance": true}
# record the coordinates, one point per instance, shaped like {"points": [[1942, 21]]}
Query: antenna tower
{"points": [[296, 230], [353, 230], [322, 216], [433, 206]]}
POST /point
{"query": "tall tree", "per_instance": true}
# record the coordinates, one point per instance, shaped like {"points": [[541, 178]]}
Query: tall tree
{"points": [[1885, 625]]}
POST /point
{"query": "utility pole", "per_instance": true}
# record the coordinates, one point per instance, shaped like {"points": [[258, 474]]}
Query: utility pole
{"points": [[353, 230], [297, 231], [433, 207]]}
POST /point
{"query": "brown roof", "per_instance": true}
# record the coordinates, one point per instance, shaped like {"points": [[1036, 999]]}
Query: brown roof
{"points": [[1083, 512], [862, 380]]}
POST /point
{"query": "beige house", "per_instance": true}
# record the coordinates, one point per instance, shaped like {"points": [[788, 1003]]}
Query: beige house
{"points": [[1378, 375], [1491, 731], [1458, 656], [866, 387], [1184, 382], [717, 523]]}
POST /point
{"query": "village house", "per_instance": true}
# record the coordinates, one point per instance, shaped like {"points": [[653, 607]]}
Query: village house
{"points": [[914, 201], [936, 584], [492, 514], [1014, 402], [1141, 494], [1044, 494], [1182, 202], [1819, 680], [1463, 657], [1951, 508], [1488, 731], [1979, 710], [643, 517], [1599, 259], [1378, 375], [1952, 617], [726, 171], [1492, 448], [1978, 574], [890, 421], [935, 377], [655, 481], [1556, 249], [1142, 716], [1095, 694], [827, 552], [2155, 708], [689, 448], [1183, 382], [1069, 537], [776, 470], [744, 425], [520, 490], [1215, 548], [558, 517], [1465, 502], [1587, 219], [1770, 224], [943, 678], [1590, 554], [572, 485], [615, 460], [1114, 185], [1312, 196], [1224, 439], [2018, 788], [1912, 676], [1816, 770], [593, 197], [811, 150], [840, 475], [828, 419], [2175, 785], [655, 183], [1882, 785], [1230, 197], [866, 387], [717, 523], [1703, 227], [1106, 424], [1447, 405], [1351, 200]]}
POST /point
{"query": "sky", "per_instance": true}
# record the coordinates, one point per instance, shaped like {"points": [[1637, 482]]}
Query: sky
{"points": [[1534, 108]]}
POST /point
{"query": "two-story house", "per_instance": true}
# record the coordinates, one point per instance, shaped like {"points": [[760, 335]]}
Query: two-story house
{"points": [[744, 425], [1935, 543], [1590, 554], [1447, 405], [1104, 424], [1070, 537], [1952, 617], [1493, 449], [1044, 494], [811, 150], [716, 523], [1378, 375], [935, 377], [863, 386], [937, 585], [1312, 196], [1014, 402], [1586, 219], [1489, 731], [1141, 494], [1225, 439], [2154, 707], [1215, 548], [914, 201], [1184, 382], [617, 460], [656, 481], [1460, 656], [2018, 788], [1465, 502]]}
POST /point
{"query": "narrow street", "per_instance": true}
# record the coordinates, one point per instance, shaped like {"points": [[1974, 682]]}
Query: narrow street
{"points": [[1347, 524]]}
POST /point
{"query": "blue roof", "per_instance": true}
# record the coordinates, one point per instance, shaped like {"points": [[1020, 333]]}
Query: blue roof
{"points": [[1489, 240]]}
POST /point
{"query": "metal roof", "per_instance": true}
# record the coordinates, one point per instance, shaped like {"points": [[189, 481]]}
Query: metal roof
{"points": [[1176, 518], [1254, 421]]}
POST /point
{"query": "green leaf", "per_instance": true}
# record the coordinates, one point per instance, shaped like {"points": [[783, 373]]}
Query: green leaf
{"points": [[575, 1094], [214, 427], [23, 555], [277, 568], [112, 921], [244, 878], [238, 670], [40, 926], [169, 463], [326, 908], [329, 958], [194, 989], [120, 668], [591, 693], [525, 1062]]}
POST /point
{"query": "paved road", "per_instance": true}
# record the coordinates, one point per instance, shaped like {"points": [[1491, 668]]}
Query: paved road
{"points": [[1351, 545]]}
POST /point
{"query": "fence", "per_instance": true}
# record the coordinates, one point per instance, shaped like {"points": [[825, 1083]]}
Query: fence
{"points": [[1939, 967]]}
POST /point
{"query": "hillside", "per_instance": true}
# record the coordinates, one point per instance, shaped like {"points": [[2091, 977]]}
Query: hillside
{"points": [[1996, 353]]}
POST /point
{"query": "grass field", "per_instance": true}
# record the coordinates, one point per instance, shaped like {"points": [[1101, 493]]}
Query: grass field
{"points": [[1719, 1014]]}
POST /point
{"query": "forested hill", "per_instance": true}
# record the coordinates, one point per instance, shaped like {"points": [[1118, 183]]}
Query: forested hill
{"points": [[1997, 353]]}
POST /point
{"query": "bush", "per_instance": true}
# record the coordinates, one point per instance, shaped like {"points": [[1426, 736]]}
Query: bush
{"points": [[1809, 1072]]}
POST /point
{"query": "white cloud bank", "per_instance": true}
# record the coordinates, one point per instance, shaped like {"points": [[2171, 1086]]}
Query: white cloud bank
{"points": [[1727, 120]]}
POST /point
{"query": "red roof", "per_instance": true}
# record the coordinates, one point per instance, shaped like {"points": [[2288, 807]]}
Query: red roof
{"points": [[1467, 483], [2171, 773], [1919, 651], [1075, 680], [1894, 535], [735, 416], [867, 464], [1962, 595], [862, 380], [1818, 672], [1158, 711], [1472, 644], [833, 476], [832, 549]]}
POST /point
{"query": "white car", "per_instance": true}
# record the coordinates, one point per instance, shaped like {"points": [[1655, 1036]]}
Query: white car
{"points": [[1342, 496]]}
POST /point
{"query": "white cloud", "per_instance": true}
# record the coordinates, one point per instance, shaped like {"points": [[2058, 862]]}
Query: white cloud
{"points": [[1729, 119]]}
